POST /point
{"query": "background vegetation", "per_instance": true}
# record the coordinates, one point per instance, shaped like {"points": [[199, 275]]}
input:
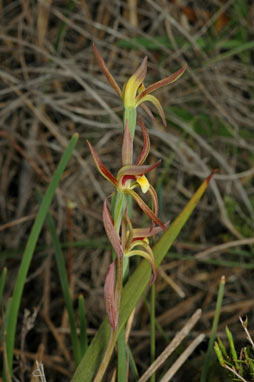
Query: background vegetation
{"points": [[50, 88]]}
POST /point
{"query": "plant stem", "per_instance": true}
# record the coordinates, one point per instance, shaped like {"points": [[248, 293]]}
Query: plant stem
{"points": [[119, 207], [130, 115], [118, 215]]}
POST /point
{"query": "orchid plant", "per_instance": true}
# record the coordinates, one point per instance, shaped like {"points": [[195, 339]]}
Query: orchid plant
{"points": [[133, 242], [131, 177]]}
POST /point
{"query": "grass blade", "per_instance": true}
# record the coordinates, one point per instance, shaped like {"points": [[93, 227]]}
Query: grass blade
{"points": [[2, 283], [133, 367], [133, 290], [61, 31], [30, 247], [232, 347], [65, 287], [5, 320]]}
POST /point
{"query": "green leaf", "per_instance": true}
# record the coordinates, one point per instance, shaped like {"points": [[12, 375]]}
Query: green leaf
{"points": [[132, 292], [222, 348], [65, 287], [30, 247], [219, 354], [232, 347], [133, 366]]}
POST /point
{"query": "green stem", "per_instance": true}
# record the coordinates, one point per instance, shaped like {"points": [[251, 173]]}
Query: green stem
{"points": [[122, 362], [130, 115], [119, 206]]}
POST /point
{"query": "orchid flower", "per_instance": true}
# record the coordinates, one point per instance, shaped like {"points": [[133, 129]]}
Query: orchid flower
{"points": [[133, 242], [134, 92], [132, 176]]}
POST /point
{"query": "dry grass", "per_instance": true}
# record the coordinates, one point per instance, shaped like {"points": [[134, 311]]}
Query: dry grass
{"points": [[50, 89]]}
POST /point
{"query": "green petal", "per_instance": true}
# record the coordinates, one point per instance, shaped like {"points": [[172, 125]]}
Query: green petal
{"points": [[146, 255], [156, 102]]}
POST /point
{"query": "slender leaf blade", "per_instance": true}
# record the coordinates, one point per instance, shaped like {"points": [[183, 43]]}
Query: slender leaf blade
{"points": [[30, 247], [2, 283]]}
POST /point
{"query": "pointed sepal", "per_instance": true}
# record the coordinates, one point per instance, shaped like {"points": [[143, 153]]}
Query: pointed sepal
{"points": [[101, 167], [106, 71]]}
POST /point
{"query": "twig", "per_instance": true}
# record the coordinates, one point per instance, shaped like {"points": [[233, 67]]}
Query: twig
{"points": [[234, 372], [172, 346], [247, 332], [222, 247], [180, 361]]}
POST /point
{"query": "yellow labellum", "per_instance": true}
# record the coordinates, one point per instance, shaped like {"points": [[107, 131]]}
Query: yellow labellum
{"points": [[143, 182]]}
